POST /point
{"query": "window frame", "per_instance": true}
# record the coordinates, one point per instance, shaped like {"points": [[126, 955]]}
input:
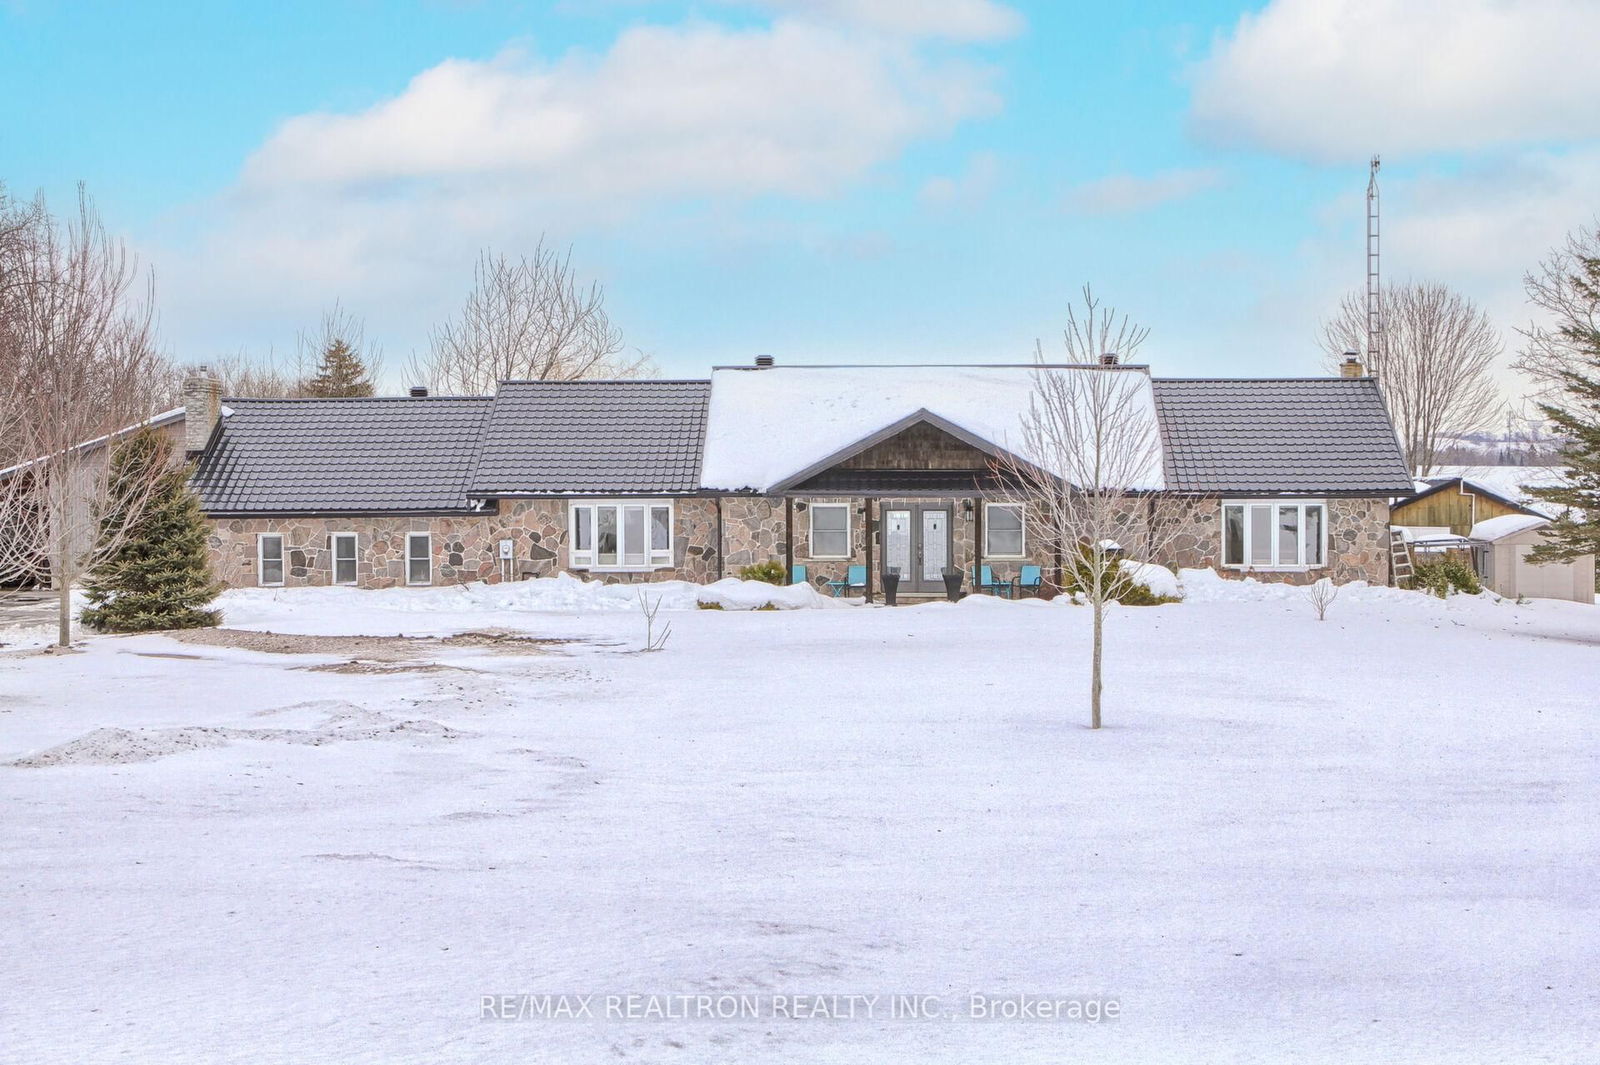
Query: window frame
{"points": [[653, 558], [333, 558], [428, 536], [811, 532], [261, 560], [1275, 508], [988, 530]]}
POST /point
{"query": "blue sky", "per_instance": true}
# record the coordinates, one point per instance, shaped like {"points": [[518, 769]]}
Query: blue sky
{"points": [[821, 180]]}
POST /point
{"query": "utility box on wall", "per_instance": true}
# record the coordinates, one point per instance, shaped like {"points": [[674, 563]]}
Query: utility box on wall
{"points": [[506, 548]]}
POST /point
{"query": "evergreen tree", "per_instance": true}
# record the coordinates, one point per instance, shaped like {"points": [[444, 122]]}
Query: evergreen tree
{"points": [[159, 577], [1577, 420], [341, 372]]}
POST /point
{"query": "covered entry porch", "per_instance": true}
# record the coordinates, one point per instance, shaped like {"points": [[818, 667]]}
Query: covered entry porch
{"points": [[853, 526]]}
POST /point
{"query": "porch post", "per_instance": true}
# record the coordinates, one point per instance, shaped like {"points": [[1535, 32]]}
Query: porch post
{"points": [[977, 542], [788, 538], [721, 543], [867, 529]]}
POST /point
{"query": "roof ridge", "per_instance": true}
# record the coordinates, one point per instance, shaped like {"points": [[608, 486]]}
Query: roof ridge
{"points": [[351, 399], [1258, 380]]}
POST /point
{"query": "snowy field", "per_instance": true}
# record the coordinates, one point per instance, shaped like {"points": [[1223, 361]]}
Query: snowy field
{"points": [[1369, 839]]}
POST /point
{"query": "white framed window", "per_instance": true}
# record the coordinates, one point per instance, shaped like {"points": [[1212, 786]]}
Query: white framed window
{"points": [[1003, 535], [342, 546], [419, 558], [1285, 534], [269, 560], [622, 534], [830, 530]]}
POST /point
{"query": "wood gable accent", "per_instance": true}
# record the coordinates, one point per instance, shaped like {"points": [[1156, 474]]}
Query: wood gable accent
{"points": [[1456, 504], [919, 441]]}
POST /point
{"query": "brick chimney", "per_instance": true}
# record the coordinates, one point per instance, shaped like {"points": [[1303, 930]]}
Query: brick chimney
{"points": [[202, 407], [1351, 366]]}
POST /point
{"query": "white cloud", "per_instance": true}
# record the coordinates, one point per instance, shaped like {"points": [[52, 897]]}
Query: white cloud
{"points": [[1341, 79], [796, 109], [386, 207], [1126, 193], [963, 20]]}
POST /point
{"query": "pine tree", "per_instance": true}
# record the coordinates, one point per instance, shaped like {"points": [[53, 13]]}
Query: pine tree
{"points": [[340, 373], [1577, 421], [160, 576]]}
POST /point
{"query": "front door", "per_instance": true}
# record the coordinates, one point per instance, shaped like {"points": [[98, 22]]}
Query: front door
{"points": [[916, 541]]}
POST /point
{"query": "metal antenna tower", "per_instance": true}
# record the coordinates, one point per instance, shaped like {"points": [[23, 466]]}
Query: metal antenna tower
{"points": [[1374, 293]]}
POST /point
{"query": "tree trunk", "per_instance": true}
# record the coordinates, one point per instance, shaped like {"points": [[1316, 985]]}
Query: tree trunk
{"points": [[1094, 682], [63, 603]]}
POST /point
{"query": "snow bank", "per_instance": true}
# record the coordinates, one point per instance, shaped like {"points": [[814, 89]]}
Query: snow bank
{"points": [[1159, 579], [562, 594], [1209, 586]]}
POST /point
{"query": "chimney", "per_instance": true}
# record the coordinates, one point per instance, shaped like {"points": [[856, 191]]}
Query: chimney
{"points": [[202, 407], [1108, 359], [1351, 366], [764, 362], [419, 391]]}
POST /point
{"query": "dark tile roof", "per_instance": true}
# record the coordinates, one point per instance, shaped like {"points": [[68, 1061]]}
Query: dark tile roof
{"points": [[342, 455], [617, 437], [1305, 435]]}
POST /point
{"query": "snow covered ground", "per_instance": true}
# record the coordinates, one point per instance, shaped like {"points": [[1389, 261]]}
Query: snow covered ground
{"points": [[1372, 838]]}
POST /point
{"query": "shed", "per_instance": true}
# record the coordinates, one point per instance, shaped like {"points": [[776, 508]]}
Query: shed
{"points": [[1510, 537]]}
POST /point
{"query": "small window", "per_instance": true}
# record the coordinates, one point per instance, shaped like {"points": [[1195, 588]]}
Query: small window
{"points": [[1003, 535], [419, 558], [619, 536], [344, 558], [269, 551], [830, 530], [1274, 534]]}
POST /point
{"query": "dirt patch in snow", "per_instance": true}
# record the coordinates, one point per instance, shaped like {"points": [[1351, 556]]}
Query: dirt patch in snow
{"points": [[358, 668], [118, 746], [364, 648]]}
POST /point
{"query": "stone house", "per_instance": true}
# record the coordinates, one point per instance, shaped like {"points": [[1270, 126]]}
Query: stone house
{"points": [[825, 468]]}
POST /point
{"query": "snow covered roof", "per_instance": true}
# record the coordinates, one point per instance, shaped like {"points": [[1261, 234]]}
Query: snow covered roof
{"points": [[1505, 525], [768, 426]]}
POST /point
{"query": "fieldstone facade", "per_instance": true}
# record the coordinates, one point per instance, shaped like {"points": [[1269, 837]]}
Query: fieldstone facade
{"points": [[1358, 541]]}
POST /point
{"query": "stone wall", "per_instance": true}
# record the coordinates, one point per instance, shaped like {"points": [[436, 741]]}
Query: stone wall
{"points": [[465, 547], [1358, 541]]}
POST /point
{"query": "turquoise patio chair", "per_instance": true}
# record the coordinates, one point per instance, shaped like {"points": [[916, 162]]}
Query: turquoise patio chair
{"points": [[797, 575], [1032, 579], [855, 577], [985, 582]]}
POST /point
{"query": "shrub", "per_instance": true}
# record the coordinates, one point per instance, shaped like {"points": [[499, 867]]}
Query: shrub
{"points": [[1444, 576], [770, 571], [1080, 577], [708, 606]]}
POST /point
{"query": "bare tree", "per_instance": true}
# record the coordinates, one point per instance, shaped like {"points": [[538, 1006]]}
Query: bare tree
{"points": [[79, 369], [1436, 375], [1321, 596], [525, 319], [1562, 287], [1089, 467]]}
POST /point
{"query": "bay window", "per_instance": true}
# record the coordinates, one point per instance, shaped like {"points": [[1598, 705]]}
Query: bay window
{"points": [[1274, 534], [619, 535]]}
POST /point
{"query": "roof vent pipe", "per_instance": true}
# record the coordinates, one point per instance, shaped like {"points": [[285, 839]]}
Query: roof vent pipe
{"points": [[419, 391], [764, 362], [1108, 359], [1351, 366]]}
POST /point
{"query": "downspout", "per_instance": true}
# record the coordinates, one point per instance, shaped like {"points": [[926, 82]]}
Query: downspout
{"points": [[788, 537], [867, 528]]}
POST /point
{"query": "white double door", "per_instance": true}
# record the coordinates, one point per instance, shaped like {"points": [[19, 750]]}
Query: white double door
{"points": [[916, 542]]}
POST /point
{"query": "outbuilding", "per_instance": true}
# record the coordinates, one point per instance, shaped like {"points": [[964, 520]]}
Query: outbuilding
{"points": [[1508, 540]]}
